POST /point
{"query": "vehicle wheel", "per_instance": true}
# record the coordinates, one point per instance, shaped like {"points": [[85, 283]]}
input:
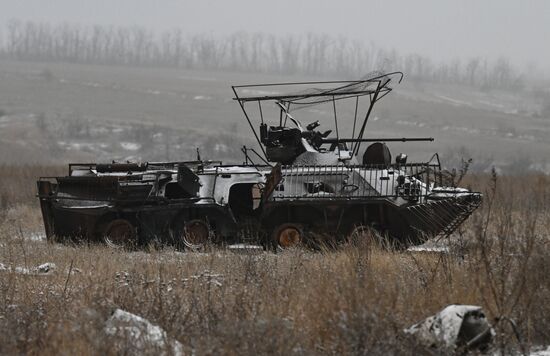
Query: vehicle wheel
{"points": [[287, 236], [196, 234], [367, 236], [119, 233]]}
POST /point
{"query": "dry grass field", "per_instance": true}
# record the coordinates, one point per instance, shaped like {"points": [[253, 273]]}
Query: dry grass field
{"points": [[353, 300], [350, 301]]}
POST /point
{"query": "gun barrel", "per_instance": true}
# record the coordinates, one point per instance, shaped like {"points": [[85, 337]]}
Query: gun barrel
{"points": [[121, 167], [352, 140]]}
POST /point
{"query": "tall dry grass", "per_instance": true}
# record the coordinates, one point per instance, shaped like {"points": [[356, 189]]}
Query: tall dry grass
{"points": [[349, 301], [18, 183]]}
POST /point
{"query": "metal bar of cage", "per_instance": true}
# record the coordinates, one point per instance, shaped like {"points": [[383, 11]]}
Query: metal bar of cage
{"points": [[357, 182]]}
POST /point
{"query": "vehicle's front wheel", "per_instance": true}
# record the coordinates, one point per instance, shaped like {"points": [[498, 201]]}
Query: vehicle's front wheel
{"points": [[288, 235]]}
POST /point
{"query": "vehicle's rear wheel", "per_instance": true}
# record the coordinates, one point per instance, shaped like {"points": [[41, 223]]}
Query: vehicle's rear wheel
{"points": [[288, 235], [196, 234], [120, 233]]}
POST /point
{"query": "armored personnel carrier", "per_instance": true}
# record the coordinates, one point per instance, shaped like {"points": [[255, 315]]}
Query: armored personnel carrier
{"points": [[299, 186]]}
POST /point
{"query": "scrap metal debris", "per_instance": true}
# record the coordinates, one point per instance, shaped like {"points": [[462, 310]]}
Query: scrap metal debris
{"points": [[141, 333], [40, 270], [456, 326]]}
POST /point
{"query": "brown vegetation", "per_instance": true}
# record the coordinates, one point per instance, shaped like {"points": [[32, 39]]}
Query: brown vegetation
{"points": [[19, 183], [350, 301]]}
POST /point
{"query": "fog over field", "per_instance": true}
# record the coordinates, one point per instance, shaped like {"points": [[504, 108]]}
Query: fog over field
{"points": [[74, 72], [439, 30]]}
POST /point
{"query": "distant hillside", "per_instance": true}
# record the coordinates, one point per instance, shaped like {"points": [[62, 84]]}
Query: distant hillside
{"points": [[59, 112]]}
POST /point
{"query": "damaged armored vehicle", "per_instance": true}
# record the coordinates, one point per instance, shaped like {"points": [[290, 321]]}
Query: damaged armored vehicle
{"points": [[301, 185]]}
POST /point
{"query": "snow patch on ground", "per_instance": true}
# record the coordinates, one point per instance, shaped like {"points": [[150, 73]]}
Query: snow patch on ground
{"points": [[130, 146], [488, 103], [244, 248], [92, 84], [78, 146], [540, 352], [154, 92], [423, 248], [461, 129], [36, 236], [202, 97], [40, 270], [455, 102]]}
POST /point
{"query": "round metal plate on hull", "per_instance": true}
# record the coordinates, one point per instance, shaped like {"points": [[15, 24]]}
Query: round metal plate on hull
{"points": [[119, 233]]}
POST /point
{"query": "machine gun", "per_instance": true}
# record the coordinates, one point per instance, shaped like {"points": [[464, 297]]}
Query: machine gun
{"points": [[289, 139]]}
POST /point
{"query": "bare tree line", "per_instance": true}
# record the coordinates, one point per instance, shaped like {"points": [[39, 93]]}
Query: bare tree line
{"points": [[309, 54]]}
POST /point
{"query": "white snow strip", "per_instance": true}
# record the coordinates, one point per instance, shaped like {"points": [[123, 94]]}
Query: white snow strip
{"points": [[488, 103], [207, 277], [454, 101], [244, 248], [202, 97], [438, 249], [130, 146], [40, 270]]}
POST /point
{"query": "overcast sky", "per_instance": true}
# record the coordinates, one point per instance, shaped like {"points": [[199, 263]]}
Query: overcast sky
{"points": [[440, 29]]}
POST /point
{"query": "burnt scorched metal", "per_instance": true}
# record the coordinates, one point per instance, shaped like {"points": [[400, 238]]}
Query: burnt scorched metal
{"points": [[311, 186]]}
